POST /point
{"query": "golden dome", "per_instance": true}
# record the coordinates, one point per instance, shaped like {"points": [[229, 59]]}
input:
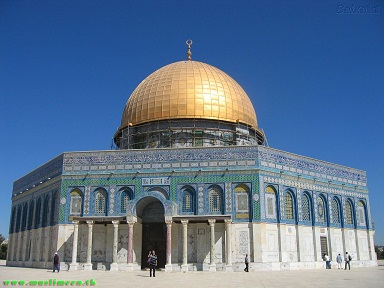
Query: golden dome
{"points": [[188, 90]]}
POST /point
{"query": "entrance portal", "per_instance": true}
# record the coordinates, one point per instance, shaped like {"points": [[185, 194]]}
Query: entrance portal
{"points": [[154, 233]]}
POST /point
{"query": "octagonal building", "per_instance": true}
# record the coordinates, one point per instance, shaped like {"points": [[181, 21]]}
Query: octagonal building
{"points": [[192, 178]]}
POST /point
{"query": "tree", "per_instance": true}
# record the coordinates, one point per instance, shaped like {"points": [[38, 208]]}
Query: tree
{"points": [[3, 248], [379, 252], [3, 251]]}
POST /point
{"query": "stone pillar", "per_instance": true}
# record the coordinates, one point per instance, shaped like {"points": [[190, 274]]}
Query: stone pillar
{"points": [[88, 265], [74, 265], [228, 251], [114, 266], [130, 245], [212, 264], [168, 265], [184, 266]]}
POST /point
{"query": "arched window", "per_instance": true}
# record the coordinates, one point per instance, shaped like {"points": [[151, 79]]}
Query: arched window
{"points": [[45, 211], [37, 213], [348, 213], [30, 214], [24, 219], [188, 202], [125, 197], [360, 213], [289, 212], [76, 205], [12, 226], [336, 219], [100, 202], [18, 219], [215, 203], [55, 208], [242, 198], [270, 198], [306, 207], [321, 209]]}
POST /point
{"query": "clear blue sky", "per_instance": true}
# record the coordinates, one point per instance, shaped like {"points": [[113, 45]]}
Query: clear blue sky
{"points": [[315, 75]]}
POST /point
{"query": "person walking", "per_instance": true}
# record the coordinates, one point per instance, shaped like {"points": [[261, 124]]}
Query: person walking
{"points": [[327, 261], [56, 263], [153, 264], [339, 260], [246, 261], [347, 259]]}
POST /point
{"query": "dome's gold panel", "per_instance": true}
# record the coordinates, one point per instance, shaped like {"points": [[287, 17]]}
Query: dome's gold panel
{"points": [[188, 90]]}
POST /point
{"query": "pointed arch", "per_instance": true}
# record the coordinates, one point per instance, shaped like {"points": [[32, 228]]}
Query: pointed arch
{"points": [[188, 200], [76, 205], [126, 194], [215, 199], [100, 202], [13, 220], [271, 203], [289, 205], [306, 207], [31, 214], [24, 217], [38, 213], [336, 211], [55, 208], [322, 211], [45, 211], [349, 212], [361, 214]]}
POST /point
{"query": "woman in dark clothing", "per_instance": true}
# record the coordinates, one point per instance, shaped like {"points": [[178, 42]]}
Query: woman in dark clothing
{"points": [[56, 263], [153, 264]]}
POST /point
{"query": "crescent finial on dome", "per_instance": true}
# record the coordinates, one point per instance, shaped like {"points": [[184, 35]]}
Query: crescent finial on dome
{"points": [[189, 53]]}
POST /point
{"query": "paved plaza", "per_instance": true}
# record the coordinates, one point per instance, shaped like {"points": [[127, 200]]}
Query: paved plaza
{"points": [[356, 277]]}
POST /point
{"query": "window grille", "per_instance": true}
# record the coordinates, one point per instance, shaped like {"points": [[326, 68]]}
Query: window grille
{"points": [[124, 200], [321, 209], [187, 201], [271, 202], [214, 201], [323, 245], [288, 206], [100, 203], [361, 214], [305, 208], [348, 212], [76, 203], [242, 198], [335, 211], [242, 204]]}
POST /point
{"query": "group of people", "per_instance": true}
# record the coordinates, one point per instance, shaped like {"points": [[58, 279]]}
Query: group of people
{"points": [[152, 261], [339, 260], [327, 259]]}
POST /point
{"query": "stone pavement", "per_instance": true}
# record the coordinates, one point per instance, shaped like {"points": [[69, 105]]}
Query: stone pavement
{"points": [[356, 277]]}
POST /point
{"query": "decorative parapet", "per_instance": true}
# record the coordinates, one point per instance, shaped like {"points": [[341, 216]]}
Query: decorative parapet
{"points": [[47, 171], [291, 163], [209, 158], [189, 159], [142, 161]]}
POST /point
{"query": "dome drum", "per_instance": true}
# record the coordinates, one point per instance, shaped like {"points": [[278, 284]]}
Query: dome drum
{"points": [[180, 133], [188, 104]]}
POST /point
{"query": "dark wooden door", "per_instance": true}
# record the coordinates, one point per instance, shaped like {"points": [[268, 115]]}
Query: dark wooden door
{"points": [[154, 238]]}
